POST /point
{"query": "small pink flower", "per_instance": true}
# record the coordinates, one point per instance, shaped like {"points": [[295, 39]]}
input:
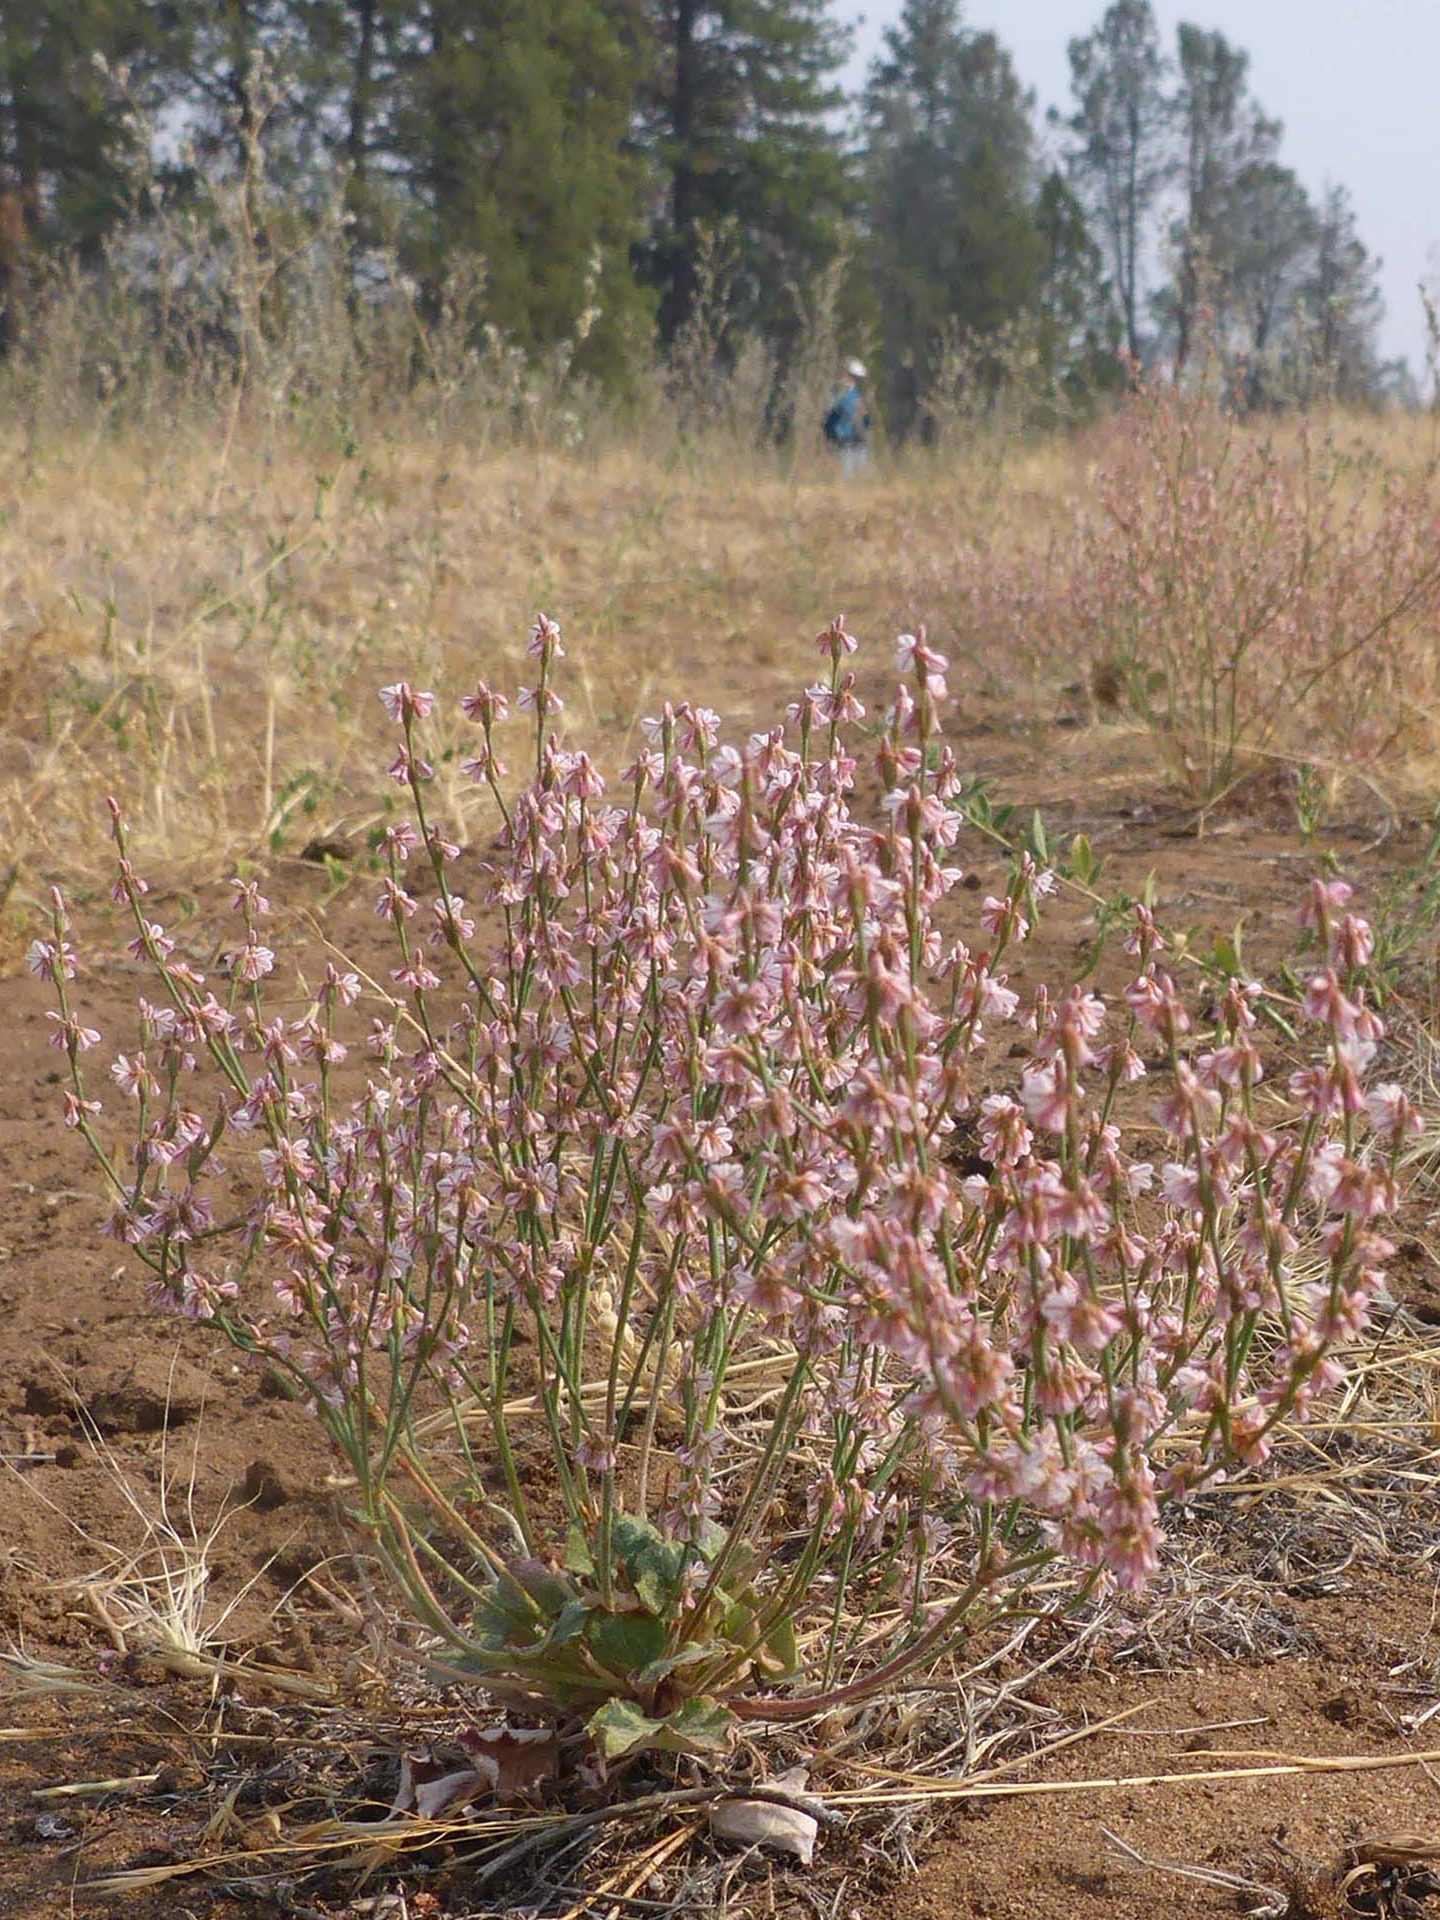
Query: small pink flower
{"points": [[596, 1455], [1004, 1135], [1044, 1091], [416, 975], [914, 656], [344, 986], [132, 1075], [406, 767], [70, 1033], [51, 960], [1144, 939], [247, 898], [538, 700], [1352, 943], [545, 640], [77, 1109], [403, 702], [834, 642], [1003, 919], [253, 962], [1326, 1001], [1326, 899], [1392, 1113], [485, 706]]}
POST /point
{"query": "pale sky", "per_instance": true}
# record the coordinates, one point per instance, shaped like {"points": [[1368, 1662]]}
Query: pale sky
{"points": [[1356, 82]]}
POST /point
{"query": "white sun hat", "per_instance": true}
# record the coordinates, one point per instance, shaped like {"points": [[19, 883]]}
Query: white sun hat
{"points": [[855, 369]]}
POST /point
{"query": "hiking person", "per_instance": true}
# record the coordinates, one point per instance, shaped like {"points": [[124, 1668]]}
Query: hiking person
{"points": [[848, 421]]}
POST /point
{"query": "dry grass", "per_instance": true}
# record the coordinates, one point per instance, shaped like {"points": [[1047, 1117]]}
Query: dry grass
{"points": [[217, 668], [200, 627], [201, 630]]}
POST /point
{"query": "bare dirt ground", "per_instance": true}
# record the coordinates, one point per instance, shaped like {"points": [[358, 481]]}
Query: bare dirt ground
{"points": [[1310, 1634]]}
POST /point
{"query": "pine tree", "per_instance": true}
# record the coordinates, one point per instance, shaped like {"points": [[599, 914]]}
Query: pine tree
{"points": [[511, 142], [1221, 132], [1265, 239], [1080, 331], [248, 72], [948, 167], [737, 124], [1118, 158], [353, 48], [67, 155], [1340, 296]]}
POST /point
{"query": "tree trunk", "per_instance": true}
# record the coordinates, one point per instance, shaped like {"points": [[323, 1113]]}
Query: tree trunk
{"points": [[362, 91], [357, 131], [446, 134], [1132, 232], [685, 182], [19, 193]]}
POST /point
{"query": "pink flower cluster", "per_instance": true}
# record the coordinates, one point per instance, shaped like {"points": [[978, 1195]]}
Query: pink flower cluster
{"points": [[706, 1080]]}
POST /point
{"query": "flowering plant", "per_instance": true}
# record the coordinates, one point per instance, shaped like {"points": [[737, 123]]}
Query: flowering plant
{"points": [[716, 1169], [1251, 598]]}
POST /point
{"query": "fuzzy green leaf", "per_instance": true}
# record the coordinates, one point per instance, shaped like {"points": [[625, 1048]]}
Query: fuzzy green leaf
{"points": [[619, 1727], [653, 1565], [625, 1643], [694, 1654], [551, 1590], [779, 1653], [701, 1727], [578, 1557]]}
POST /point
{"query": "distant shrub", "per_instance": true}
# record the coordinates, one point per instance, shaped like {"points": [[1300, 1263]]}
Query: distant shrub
{"points": [[1248, 594]]}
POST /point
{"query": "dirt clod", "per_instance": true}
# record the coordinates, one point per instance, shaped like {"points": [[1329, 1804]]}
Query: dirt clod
{"points": [[265, 1487], [144, 1392]]}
